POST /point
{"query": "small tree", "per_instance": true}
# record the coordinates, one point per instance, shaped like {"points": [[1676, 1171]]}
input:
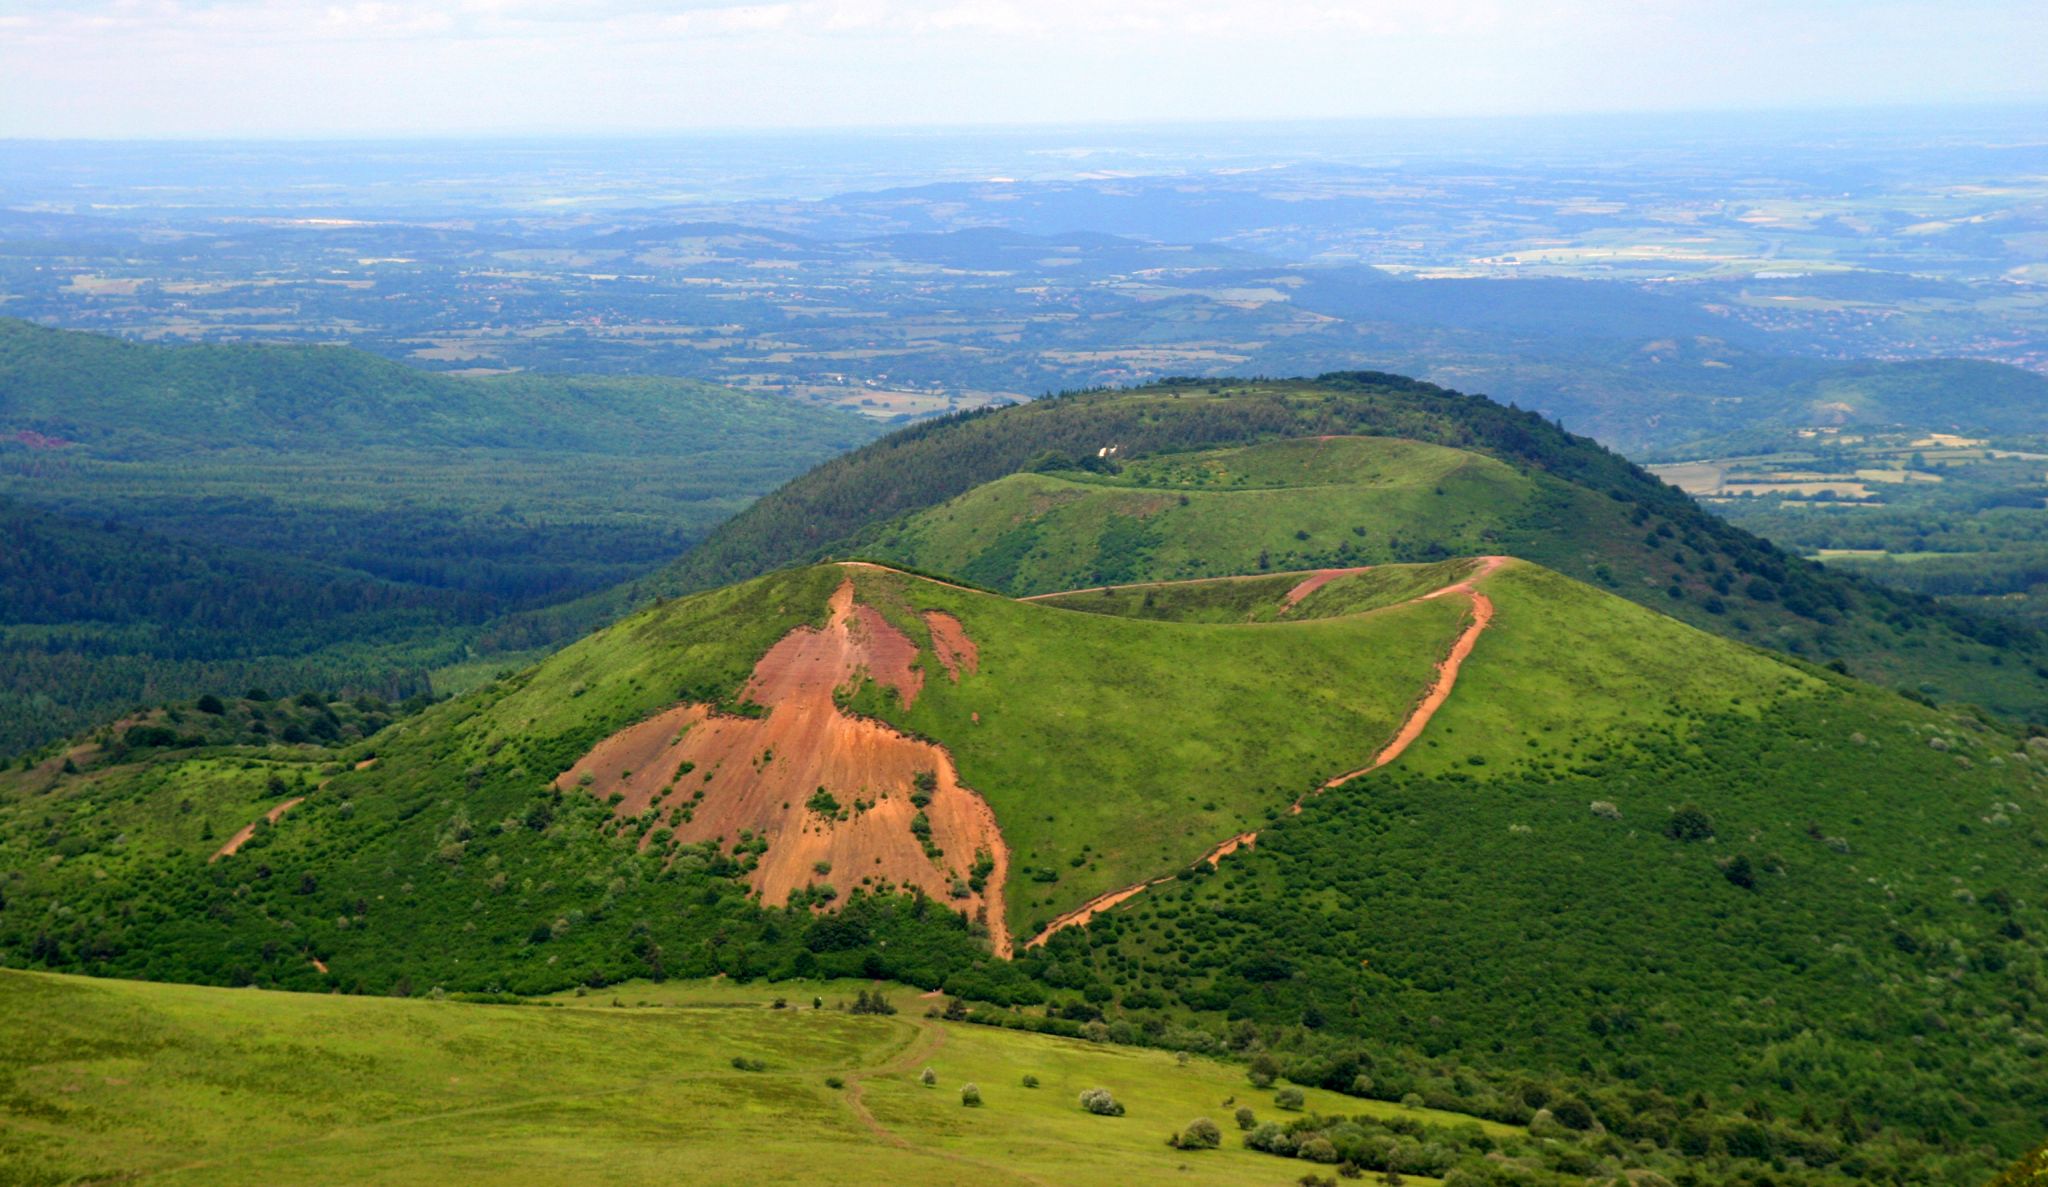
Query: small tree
{"points": [[1246, 1119], [1099, 1102], [1740, 872], [1201, 1134], [1264, 1070], [1689, 823], [970, 1096], [928, 1077], [1288, 1098]]}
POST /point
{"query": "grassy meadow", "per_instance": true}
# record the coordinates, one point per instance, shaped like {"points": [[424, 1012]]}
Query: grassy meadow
{"points": [[636, 1084]]}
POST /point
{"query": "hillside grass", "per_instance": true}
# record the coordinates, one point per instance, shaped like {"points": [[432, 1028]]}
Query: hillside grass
{"points": [[177, 1084], [1283, 505], [1264, 598], [1510, 889], [1114, 750]]}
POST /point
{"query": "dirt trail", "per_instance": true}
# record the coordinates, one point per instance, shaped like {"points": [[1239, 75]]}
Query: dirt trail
{"points": [[729, 774], [1418, 719], [931, 1037], [1316, 581], [248, 830], [1061, 593]]}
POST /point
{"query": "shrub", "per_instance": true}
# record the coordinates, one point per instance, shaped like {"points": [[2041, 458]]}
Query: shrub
{"points": [[1099, 1102], [970, 1096], [1317, 1149], [211, 704], [1201, 1134], [1245, 1117], [928, 1077], [1030, 1081], [1689, 823], [834, 1082], [748, 1065], [1264, 1070], [1740, 872], [1289, 1098], [1606, 810]]}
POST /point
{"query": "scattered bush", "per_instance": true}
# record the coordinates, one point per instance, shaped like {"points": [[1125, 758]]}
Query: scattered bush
{"points": [[1201, 1134], [928, 1078], [970, 1096], [1099, 1102], [1289, 1098], [1030, 1081], [748, 1065], [1264, 1070], [1246, 1119]]}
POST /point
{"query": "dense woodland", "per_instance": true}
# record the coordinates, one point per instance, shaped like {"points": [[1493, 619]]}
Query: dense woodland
{"points": [[191, 520]]}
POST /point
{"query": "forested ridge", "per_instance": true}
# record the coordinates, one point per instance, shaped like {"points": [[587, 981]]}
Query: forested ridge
{"points": [[1654, 545]]}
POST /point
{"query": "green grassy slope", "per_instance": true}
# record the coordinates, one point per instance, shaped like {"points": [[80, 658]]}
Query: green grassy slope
{"points": [[1508, 891], [184, 1085], [1498, 920], [1019, 499], [1286, 505], [1114, 750], [1111, 749]]}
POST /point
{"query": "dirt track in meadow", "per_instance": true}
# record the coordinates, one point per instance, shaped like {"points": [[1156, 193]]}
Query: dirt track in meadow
{"points": [[1432, 699], [248, 830]]}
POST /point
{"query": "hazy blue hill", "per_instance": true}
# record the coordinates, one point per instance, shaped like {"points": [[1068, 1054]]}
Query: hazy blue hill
{"points": [[128, 399]]}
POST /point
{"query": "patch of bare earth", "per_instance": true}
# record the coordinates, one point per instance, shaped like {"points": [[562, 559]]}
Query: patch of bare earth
{"points": [[248, 830], [1314, 582], [957, 653], [710, 776]]}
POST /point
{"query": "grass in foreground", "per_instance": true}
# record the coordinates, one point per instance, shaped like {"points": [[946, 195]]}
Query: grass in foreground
{"points": [[179, 1084]]}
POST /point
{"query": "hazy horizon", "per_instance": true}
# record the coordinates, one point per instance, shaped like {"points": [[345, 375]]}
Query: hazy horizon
{"points": [[235, 69]]}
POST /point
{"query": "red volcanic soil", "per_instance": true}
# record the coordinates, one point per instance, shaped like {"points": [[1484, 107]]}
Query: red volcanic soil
{"points": [[248, 830], [1314, 582], [957, 652], [1433, 698], [728, 773]]}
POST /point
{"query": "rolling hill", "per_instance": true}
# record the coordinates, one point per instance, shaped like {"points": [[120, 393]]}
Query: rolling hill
{"points": [[1206, 479], [1472, 831], [181, 1084], [189, 520]]}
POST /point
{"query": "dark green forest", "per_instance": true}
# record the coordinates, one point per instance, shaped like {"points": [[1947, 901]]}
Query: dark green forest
{"points": [[185, 520]]}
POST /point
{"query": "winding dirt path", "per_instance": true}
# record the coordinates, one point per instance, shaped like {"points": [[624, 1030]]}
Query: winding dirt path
{"points": [[248, 830], [1418, 719]]}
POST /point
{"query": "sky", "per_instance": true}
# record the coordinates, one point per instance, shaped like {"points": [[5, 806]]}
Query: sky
{"points": [[240, 68]]}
